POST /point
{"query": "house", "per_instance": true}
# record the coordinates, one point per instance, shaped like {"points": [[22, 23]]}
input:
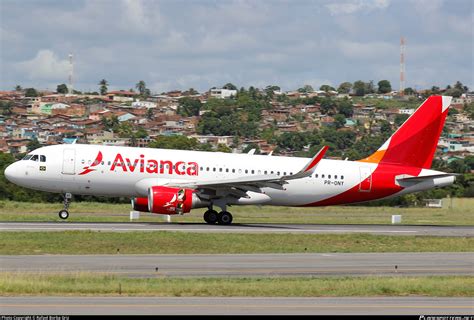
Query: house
{"points": [[222, 93], [121, 95]]}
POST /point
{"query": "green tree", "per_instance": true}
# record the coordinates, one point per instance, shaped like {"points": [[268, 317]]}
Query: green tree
{"points": [[223, 148], [18, 88], [359, 88], [189, 107], [103, 87], [344, 87], [339, 121], [6, 107], [384, 86], [174, 142], [326, 88], [400, 119], [141, 87], [62, 88], [306, 89], [409, 91], [327, 105], [31, 92], [229, 86], [345, 108]]}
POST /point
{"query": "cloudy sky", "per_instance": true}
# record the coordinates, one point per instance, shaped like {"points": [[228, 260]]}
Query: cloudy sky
{"points": [[181, 44]]}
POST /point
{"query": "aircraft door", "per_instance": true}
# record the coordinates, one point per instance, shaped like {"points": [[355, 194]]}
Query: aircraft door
{"points": [[365, 184], [69, 161]]}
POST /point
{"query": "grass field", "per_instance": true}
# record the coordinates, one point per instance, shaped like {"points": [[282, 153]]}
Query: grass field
{"points": [[160, 242], [459, 212], [14, 284]]}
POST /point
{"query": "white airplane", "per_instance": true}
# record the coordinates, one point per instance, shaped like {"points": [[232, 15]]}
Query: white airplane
{"points": [[174, 181]]}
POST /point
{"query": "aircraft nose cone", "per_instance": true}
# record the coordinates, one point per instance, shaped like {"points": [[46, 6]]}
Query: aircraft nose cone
{"points": [[10, 172]]}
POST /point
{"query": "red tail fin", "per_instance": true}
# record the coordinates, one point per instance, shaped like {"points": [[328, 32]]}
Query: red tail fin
{"points": [[414, 143]]}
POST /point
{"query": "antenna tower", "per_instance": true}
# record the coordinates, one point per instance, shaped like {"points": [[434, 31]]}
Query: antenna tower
{"points": [[71, 73], [402, 65]]}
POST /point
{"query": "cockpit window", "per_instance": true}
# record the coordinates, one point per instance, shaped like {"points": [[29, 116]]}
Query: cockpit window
{"points": [[42, 158], [34, 158], [27, 157]]}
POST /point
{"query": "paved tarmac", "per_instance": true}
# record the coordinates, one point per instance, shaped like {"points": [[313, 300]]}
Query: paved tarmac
{"points": [[244, 265], [232, 305], [400, 230]]}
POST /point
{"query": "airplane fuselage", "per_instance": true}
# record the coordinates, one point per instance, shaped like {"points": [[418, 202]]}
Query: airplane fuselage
{"points": [[129, 172]]}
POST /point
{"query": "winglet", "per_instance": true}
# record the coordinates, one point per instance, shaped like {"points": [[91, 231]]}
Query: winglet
{"points": [[309, 168]]}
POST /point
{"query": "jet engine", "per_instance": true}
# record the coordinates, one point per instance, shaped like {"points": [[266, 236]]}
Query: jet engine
{"points": [[167, 200]]}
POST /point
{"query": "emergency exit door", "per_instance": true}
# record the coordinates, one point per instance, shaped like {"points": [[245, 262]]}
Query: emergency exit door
{"points": [[69, 161], [365, 184]]}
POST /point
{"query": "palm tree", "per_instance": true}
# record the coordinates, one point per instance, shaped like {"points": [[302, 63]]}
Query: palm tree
{"points": [[103, 86], [141, 87]]}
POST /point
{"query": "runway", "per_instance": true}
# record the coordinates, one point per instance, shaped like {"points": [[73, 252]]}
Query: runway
{"points": [[233, 305], [245, 265], [399, 230]]}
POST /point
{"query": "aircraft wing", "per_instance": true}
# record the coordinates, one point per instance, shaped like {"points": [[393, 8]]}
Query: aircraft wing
{"points": [[239, 186]]}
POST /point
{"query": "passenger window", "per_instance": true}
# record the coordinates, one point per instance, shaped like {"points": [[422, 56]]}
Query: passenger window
{"points": [[220, 169], [335, 177], [43, 158], [342, 177], [214, 169], [253, 171], [226, 170], [265, 172], [316, 175], [284, 173], [233, 170], [246, 171], [322, 176], [207, 169], [329, 176], [278, 173]]}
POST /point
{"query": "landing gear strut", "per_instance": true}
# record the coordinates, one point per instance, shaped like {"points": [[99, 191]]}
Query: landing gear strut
{"points": [[64, 214], [212, 217]]}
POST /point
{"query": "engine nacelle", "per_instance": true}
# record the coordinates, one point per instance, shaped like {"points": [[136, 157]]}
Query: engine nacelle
{"points": [[166, 200], [140, 204]]}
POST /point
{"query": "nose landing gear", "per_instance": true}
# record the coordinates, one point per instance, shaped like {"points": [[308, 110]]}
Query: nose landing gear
{"points": [[64, 214]]}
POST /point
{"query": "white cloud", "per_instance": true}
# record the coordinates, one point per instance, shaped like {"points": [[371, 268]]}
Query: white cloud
{"points": [[45, 66], [354, 6]]}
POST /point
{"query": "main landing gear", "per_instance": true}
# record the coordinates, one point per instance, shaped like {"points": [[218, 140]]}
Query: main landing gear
{"points": [[64, 214], [211, 217]]}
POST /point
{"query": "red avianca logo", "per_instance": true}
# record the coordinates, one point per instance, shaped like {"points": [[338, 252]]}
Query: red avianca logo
{"points": [[96, 162], [143, 165]]}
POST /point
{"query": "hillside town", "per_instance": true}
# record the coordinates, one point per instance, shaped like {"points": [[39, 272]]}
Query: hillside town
{"points": [[270, 121]]}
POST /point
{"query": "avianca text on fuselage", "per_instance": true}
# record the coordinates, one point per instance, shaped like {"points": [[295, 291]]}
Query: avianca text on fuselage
{"points": [[143, 165]]}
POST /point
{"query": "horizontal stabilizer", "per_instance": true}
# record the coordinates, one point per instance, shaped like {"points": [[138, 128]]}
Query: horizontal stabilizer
{"points": [[425, 178]]}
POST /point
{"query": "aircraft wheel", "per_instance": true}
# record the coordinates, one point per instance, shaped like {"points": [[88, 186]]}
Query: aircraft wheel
{"points": [[210, 216], [63, 214], [224, 218]]}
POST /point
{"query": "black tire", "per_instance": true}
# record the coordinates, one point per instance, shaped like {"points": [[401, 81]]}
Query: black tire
{"points": [[224, 218], [211, 216], [63, 214]]}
